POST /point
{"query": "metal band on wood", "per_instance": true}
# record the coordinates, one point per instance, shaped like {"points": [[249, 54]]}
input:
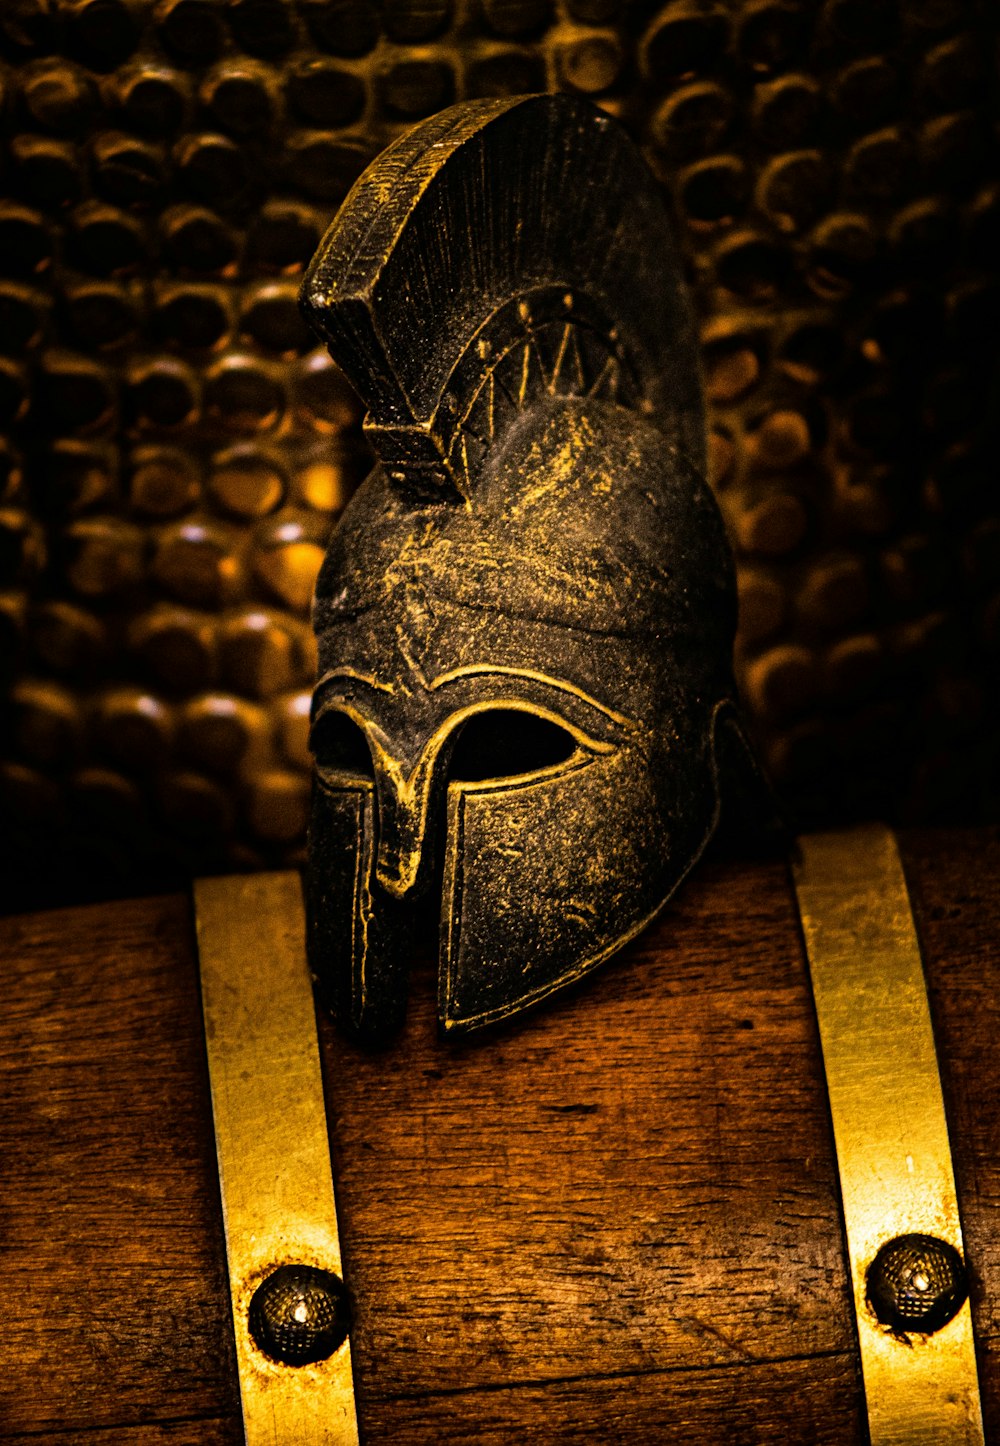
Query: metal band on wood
{"points": [[289, 1307], [904, 1236]]}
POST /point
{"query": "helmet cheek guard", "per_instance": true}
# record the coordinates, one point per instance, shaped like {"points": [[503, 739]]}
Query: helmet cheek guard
{"points": [[526, 615], [538, 890], [359, 932], [358, 935]]}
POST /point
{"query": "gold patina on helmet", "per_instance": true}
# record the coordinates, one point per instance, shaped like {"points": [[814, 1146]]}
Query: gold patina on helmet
{"points": [[526, 615]]}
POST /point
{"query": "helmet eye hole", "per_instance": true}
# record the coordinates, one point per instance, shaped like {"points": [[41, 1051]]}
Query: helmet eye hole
{"points": [[340, 746], [504, 742]]}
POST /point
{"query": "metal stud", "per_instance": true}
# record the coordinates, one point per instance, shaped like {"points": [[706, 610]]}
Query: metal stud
{"points": [[299, 1315], [917, 1283]]}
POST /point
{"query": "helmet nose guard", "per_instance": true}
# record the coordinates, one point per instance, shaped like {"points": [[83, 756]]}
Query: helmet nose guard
{"points": [[535, 550]]}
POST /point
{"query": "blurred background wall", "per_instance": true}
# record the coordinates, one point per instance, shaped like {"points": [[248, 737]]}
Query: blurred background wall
{"points": [[175, 450]]}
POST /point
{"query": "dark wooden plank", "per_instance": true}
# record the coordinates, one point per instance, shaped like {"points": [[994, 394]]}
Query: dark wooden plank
{"points": [[750, 1404], [639, 1179], [196, 1432], [954, 880], [615, 1220], [115, 1299]]}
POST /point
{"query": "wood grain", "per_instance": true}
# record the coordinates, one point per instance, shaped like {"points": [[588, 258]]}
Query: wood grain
{"points": [[116, 1307], [196, 1431], [954, 880], [754, 1404], [636, 1184], [617, 1220]]}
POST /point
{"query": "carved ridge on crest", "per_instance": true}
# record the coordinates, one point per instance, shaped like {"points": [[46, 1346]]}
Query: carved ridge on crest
{"points": [[442, 285]]}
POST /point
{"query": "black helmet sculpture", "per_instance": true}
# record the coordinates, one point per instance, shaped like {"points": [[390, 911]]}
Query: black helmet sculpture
{"points": [[526, 614]]}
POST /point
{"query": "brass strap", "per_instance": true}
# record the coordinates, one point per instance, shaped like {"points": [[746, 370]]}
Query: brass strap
{"points": [[272, 1143], [889, 1123]]}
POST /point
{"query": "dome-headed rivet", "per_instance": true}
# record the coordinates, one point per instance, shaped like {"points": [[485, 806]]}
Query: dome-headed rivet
{"points": [[298, 1315], [917, 1283]]}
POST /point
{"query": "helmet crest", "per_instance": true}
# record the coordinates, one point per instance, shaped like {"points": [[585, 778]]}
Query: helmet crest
{"points": [[504, 250]]}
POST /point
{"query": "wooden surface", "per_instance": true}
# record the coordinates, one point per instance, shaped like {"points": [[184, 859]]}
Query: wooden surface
{"points": [[111, 1258], [617, 1220]]}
